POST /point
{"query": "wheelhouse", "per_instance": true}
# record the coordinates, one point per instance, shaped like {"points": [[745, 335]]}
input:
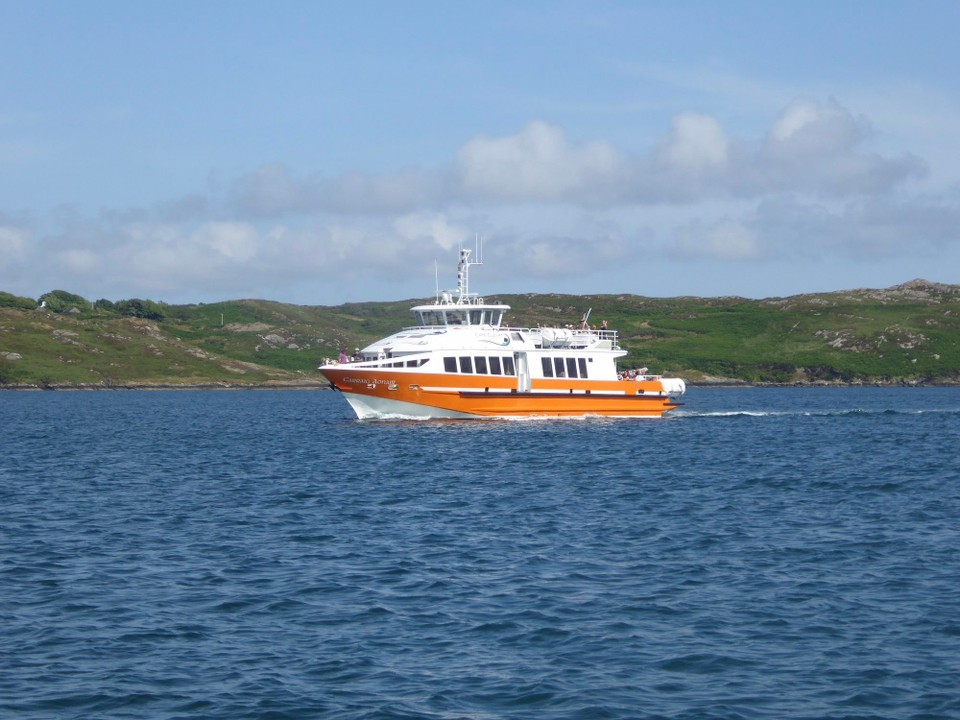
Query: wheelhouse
{"points": [[485, 316]]}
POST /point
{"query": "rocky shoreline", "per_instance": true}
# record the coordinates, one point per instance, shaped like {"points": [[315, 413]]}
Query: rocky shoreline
{"points": [[279, 385]]}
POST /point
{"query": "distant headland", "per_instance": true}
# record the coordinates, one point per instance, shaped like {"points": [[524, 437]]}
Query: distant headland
{"points": [[908, 334]]}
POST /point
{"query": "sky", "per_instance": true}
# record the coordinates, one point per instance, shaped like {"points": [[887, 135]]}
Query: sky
{"points": [[326, 152]]}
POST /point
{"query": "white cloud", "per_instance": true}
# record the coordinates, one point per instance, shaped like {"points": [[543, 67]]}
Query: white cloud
{"points": [[79, 262], [789, 229], [810, 148], [728, 240], [271, 190], [697, 142], [274, 191], [435, 229], [401, 191], [537, 164], [13, 243], [813, 147], [804, 119], [549, 208], [870, 229], [234, 241], [562, 255]]}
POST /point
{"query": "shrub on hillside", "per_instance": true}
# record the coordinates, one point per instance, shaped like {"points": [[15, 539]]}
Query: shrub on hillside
{"points": [[13, 301], [140, 308], [62, 301]]}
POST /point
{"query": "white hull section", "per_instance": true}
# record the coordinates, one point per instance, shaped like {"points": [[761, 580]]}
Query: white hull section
{"points": [[375, 408], [673, 387]]}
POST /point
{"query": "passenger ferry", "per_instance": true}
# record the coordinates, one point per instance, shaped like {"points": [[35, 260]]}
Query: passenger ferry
{"points": [[460, 361]]}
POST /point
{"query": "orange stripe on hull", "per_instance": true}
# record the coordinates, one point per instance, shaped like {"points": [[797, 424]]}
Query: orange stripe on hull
{"points": [[495, 396]]}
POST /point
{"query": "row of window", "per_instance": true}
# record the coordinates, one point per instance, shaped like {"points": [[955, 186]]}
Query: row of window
{"points": [[480, 365], [569, 367], [459, 317], [564, 367], [401, 363]]}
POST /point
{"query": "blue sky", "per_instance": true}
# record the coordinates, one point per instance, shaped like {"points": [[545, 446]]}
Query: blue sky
{"points": [[320, 153]]}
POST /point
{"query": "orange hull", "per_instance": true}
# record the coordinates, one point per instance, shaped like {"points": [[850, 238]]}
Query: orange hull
{"points": [[379, 392]]}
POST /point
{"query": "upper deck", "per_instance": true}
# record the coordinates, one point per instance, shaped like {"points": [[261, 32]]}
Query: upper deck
{"points": [[465, 308], [482, 322]]}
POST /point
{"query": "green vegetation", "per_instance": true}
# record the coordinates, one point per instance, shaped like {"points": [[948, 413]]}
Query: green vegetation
{"points": [[909, 333], [12, 301]]}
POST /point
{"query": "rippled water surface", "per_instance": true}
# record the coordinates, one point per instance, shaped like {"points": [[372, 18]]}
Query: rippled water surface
{"points": [[766, 553]]}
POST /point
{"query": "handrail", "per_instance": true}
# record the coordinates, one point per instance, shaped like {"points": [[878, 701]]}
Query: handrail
{"points": [[612, 336]]}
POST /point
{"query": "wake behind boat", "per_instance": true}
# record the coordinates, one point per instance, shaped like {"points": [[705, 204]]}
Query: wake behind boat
{"points": [[460, 361]]}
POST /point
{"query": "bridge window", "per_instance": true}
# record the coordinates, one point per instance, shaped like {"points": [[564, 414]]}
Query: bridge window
{"points": [[430, 318]]}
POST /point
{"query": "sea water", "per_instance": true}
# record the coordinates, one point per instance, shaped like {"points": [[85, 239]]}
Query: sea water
{"points": [[761, 553]]}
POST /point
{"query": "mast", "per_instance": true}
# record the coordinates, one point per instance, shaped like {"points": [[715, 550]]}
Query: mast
{"points": [[463, 271]]}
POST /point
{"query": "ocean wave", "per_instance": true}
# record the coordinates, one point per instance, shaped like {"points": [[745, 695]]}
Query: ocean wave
{"points": [[223, 555]]}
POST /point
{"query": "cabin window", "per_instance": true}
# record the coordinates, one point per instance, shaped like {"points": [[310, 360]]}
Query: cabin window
{"points": [[547, 367], [582, 362], [495, 366], [571, 367], [466, 366], [508, 366], [480, 363], [450, 364], [558, 366]]}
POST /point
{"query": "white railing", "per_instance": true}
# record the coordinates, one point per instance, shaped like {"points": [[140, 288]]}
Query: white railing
{"points": [[575, 337]]}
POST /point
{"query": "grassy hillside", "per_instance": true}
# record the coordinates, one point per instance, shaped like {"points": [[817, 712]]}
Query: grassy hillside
{"points": [[909, 333]]}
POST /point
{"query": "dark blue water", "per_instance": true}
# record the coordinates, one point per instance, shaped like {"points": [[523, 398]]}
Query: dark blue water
{"points": [[769, 553]]}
